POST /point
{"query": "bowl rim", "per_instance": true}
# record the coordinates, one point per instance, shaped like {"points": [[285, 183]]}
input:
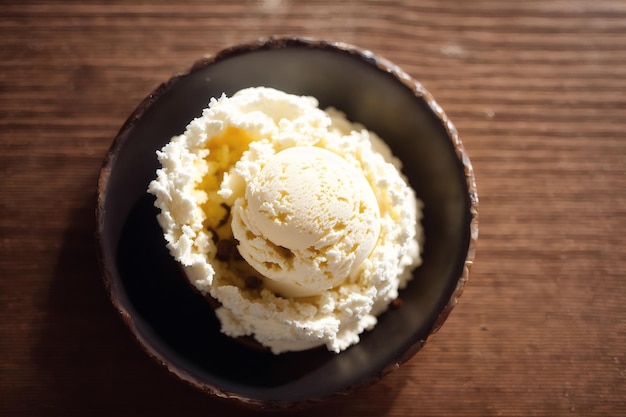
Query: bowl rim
{"points": [[270, 43]]}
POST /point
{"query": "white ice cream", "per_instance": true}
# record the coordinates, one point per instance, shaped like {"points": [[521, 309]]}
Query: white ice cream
{"points": [[327, 226], [307, 221]]}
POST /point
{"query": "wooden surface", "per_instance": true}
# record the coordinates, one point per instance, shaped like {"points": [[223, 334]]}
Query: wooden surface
{"points": [[537, 90]]}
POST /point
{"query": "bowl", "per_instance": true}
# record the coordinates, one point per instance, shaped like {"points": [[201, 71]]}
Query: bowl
{"points": [[178, 328]]}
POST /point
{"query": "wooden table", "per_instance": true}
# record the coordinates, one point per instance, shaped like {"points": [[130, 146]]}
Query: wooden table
{"points": [[537, 90]]}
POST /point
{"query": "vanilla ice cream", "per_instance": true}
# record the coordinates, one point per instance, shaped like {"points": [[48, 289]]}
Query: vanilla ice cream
{"points": [[307, 221], [297, 221]]}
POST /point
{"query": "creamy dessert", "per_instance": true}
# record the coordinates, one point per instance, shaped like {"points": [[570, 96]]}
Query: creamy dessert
{"points": [[297, 221]]}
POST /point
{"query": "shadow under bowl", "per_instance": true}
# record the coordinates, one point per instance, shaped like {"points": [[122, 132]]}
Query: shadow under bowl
{"points": [[177, 326]]}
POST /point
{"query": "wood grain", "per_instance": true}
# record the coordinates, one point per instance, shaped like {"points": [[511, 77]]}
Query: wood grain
{"points": [[537, 90]]}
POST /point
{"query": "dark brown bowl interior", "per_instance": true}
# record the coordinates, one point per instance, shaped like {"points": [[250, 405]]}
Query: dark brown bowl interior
{"points": [[177, 326]]}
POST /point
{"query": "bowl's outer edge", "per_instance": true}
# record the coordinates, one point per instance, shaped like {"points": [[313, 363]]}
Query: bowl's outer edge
{"points": [[277, 42]]}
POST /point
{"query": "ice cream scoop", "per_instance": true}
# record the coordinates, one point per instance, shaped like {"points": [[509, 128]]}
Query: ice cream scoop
{"points": [[307, 222], [326, 225]]}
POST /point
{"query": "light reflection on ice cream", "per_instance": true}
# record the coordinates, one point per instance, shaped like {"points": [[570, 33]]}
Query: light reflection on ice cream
{"points": [[326, 225]]}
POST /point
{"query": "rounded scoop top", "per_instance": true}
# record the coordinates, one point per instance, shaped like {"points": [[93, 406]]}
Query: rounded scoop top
{"points": [[314, 210]]}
